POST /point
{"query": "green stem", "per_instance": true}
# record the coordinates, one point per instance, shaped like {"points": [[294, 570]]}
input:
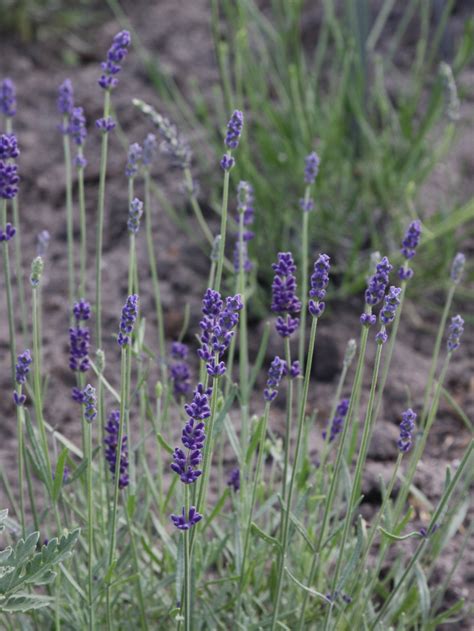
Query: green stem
{"points": [[187, 569], [37, 377], [154, 278], [368, 426], [289, 420], [208, 447], [243, 341], [141, 601], [304, 281], [90, 521], [100, 225], [286, 522], [69, 212], [10, 308], [188, 179], [21, 465], [83, 229], [223, 231]]}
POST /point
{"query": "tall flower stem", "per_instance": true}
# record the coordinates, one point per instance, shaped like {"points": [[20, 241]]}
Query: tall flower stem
{"points": [[187, 568], [21, 464], [154, 278], [188, 180], [18, 250], [286, 518], [90, 520], [289, 419], [223, 230], [304, 282], [437, 346], [434, 519], [100, 225], [8, 284], [69, 212], [243, 341], [208, 447], [83, 229], [368, 426]]}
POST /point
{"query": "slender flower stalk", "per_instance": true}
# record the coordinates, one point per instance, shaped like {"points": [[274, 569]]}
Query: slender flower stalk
{"points": [[21, 372]]}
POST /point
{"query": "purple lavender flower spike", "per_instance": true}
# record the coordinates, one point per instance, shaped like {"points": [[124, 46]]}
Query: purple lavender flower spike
{"points": [[66, 99], [180, 373], [111, 443], [306, 205], [105, 124], [134, 159], [234, 129], [377, 284], [8, 147], [284, 299], [319, 283], [116, 54], [227, 162], [22, 367], [409, 245], [233, 480], [192, 438], [456, 329], [79, 339], [135, 213], [150, 150], [19, 399], [390, 305], [185, 523], [89, 401], [8, 98], [77, 126], [368, 319], [8, 233], [128, 319], [337, 422], [406, 429], [275, 375], [217, 329], [8, 173], [311, 167]]}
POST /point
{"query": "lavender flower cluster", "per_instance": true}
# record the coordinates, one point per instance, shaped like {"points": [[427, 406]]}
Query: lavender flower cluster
{"points": [[311, 170], [284, 299], [127, 321], [335, 428], [319, 283], [115, 55], [217, 329], [406, 429], [234, 131], [456, 329], [409, 245], [22, 369], [7, 98], [111, 443], [9, 178], [79, 338]]}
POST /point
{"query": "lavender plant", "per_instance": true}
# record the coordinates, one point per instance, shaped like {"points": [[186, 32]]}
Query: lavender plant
{"points": [[279, 541]]}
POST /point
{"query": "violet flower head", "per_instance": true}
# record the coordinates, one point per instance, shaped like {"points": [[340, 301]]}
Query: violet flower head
{"points": [[186, 463], [111, 443], [7, 98], [77, 126], [311, 167], [284, 299], [275, 375], [390, 305], [217, 329], [134, 159], [65, 99], [89, 400], [183, 522], [406, 429], [22, 367], [319, 283], [180, 373], [337, 422], [105, 124], [128, 319], [115, 55], [234, 129], [79, 339], [8, 147], [409, 245], [456, 329], [8, 233], [9, 178], [150, 150], [135, 213], [457, 267], [233, 481], [377, 284]]}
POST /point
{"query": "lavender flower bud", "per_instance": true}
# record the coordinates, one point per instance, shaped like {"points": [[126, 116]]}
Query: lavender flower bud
{"points": [[319, 283], [65, 98], [105, 124], [457, 267], [456, 329], [391, 303], [7, 98], [134, 215], [116, 54], [406, 429], [275, 374], [8, 170], [8, 147], [173, 143], [150, 149], [185, 523], [77, 126], [42, 243], [82, 310], [233, 480], [350, 352], [338, 421], [284, 299], [134, 158], [234, 129], [409, 245], [22, 367], [89, 400], [79, 339], [311, 167], [111, 443], [37, 267], [227, 162], [306, 205], [8, 233], [128, 319], [377, 283]]}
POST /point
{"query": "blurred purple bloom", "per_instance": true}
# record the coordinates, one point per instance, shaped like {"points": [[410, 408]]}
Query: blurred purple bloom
{"points": [[128, 319], [180, 373], [134, 158], [79, 338], [390, 305], [234, 129], [42, 242], [111, 443], [284, 299], [65, 98], [150, 149], [116, 54], [88, 399], [338, 421], [227, 162], [377, 283], [409, 245], [105, 124], [8, 233], [82, 310], [456, 329], [179, 350], [8, 147], [135, 213], [233, 480], [406, 429], [319, 283], [275, 374], [311, 167], [7, 98], [22, 367], [185, 523], [77, 126]]}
